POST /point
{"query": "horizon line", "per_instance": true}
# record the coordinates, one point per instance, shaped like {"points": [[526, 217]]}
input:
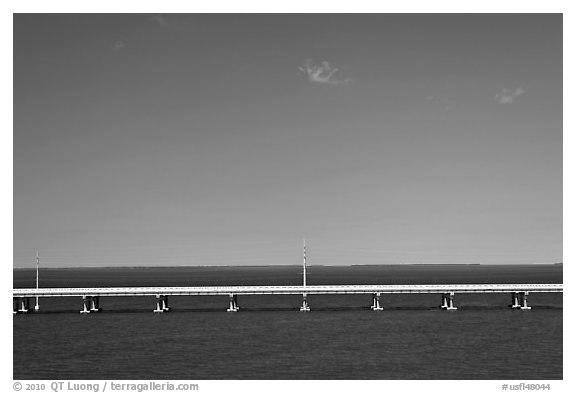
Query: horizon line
{"points": [[291, 264]]}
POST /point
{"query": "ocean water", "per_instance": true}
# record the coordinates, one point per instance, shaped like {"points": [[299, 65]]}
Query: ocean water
{"points": [[341, 338]]}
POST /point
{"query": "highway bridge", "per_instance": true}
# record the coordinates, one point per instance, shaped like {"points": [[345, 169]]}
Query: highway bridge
{"points": [[91, 296]]}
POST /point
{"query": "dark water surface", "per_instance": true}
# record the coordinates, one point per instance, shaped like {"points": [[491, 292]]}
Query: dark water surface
{"points": [[270, 339]]}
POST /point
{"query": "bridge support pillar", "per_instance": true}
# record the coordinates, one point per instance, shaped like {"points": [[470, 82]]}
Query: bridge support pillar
{"points": [[515, 303], [95, 304], [21, 305], [233, 303], [448, 301], [159, 307], [524, 301], [376, 302], [161, 303], [165, 306], [304, 303], [24, 304], [86, 300]]}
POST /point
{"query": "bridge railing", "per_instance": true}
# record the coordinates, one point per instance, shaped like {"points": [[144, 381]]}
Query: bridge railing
{"points": [[295, 289]]}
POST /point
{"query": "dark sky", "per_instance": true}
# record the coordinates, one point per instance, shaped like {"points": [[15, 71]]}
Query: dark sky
{"points": [[226, 139]]}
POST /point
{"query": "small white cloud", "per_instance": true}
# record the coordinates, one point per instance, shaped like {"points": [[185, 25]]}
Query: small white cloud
{"points": [[445, 102], [508, 96], [119, 45], [158, 19], [323, 73]]}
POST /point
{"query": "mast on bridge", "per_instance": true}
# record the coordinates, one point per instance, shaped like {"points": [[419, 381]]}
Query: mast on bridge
{"points": [[304, 301], [37, 306], [304, 261]]}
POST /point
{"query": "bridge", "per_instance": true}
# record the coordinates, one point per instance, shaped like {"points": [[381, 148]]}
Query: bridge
{"points": [[91, 296]]}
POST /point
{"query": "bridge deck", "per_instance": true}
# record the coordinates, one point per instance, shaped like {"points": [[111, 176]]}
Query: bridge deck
{"points": [[287, 290]]}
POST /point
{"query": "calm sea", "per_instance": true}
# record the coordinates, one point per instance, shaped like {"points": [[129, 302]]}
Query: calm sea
{"points": [[270, 339]]}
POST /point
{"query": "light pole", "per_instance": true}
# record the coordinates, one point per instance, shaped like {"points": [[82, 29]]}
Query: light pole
{"points": [[305, 306], [37, 306]]}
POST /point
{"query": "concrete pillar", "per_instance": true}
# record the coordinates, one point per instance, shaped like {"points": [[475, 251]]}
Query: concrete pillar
{"points": [[233, 303], [376, 302], [448, 301], [95, 304], [515, 303], [164, 303], [22, 305], [451, 302], [304, 303], [524, 301], [444, 304], [159, 304], [85, 300]]}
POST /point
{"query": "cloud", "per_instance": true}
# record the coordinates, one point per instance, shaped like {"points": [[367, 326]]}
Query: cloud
{"points": [[508, 96], [158, 19], [119, 45], [323, 73], [446, 102]]}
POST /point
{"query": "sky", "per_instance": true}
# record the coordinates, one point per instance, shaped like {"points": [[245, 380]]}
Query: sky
{"points": [[189, 139]]}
